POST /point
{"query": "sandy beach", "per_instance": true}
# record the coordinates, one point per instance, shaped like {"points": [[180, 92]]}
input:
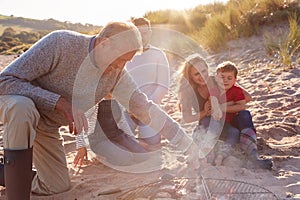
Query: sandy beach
{"points": [[276, 114]]}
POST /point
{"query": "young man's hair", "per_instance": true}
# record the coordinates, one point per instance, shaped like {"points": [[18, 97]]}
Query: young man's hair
{"points": [[141, 21], [227, 66]]}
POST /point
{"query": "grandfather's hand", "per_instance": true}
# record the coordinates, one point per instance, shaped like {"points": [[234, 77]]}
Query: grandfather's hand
{"points": [[81, 156], [76, 117]]}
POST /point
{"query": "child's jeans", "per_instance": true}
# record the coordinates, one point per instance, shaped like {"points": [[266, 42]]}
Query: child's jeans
{"points": [[241, 131], [248, 140], [230, 134], [243, 120]]}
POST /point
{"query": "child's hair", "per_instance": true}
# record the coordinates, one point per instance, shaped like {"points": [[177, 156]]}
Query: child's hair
{"points": [[227, 66]]}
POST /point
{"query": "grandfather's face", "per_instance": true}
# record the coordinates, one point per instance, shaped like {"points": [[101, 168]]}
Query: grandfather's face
{"points": [[113, 53], [119, 63]]}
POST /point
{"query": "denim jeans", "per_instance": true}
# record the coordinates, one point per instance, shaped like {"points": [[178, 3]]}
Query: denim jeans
{"points": [[243, 120], [108, 113], [211, 125], [248, 139], [145, 132], [229, 133], [241, 131]]}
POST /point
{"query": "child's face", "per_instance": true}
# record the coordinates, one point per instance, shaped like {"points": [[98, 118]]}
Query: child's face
{"points": [[199, 76], [225, 80]]}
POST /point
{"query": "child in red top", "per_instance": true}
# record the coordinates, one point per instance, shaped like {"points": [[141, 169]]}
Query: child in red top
{"points": [[231, 96], [233, 104]]}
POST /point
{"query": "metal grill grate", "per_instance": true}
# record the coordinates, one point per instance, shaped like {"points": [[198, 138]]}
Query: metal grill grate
{"points": [[199, 188]]}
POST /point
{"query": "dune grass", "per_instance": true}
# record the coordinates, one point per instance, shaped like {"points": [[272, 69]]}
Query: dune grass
{"points": [[242, 18], [213, 25], [286, 44]]}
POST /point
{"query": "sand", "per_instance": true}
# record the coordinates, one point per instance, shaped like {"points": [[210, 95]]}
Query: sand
{"points": [[276, 114]]}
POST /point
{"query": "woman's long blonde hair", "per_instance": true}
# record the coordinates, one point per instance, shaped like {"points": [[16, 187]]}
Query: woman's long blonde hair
{"points": [[186, 84]]}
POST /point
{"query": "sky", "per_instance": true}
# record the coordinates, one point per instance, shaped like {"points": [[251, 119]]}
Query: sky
{"points": [[96, 12]]}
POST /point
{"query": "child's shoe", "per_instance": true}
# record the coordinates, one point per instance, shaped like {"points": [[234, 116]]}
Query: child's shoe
{"points": [[261, 163]]}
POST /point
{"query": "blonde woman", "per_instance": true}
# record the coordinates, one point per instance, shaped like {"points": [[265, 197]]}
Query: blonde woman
{"points": [[199, 102]]}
